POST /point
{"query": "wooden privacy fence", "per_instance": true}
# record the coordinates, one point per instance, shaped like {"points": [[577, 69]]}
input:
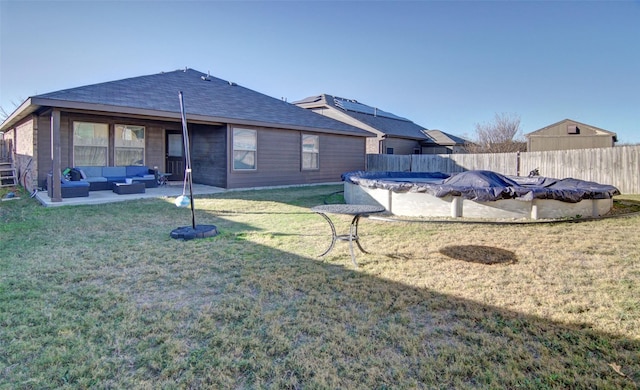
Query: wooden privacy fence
{"points": [[618, 166]]}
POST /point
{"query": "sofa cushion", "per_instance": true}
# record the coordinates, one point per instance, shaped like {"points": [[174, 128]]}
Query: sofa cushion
{"points": [[91, 171], [95, 179], [75, 184], [137, 170], [114, 172]]}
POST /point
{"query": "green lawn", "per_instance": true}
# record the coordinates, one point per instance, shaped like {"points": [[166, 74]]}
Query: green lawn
{"points": [[102, 297]]}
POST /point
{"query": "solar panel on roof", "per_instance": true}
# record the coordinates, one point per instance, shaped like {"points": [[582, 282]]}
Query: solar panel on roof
{"points": [[353, 105]]}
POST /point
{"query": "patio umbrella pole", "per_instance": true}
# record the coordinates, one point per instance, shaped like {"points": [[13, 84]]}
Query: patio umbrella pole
{"points": [[195, 231], [187, 156]]}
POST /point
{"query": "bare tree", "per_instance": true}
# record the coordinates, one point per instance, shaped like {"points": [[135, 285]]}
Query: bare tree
{"points": [[3, 114], [502, 135]]}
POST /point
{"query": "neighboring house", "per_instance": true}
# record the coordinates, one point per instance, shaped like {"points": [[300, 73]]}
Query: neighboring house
{"points": [[239, 138], [394, 134], [569, 134]]}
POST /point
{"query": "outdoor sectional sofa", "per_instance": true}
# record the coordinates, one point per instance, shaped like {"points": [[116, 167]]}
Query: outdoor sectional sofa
{"points": [[68, 188], [101, 177]]}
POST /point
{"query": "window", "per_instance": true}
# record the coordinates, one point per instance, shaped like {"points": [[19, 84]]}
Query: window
{"points": [[245, 146], [90, 143], [129, 145], [389, 150], [310, 151], [175, 145]]}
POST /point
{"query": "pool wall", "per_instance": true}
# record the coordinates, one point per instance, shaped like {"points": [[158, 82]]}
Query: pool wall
{"points": [[421, 204]]}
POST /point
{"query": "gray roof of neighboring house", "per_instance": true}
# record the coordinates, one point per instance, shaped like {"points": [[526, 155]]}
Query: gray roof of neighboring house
{"points": [[206, 99], [439, 137], [382, 121]]}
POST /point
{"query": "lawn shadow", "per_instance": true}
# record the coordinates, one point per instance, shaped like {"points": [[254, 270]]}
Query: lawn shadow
{"points": [[480, 254], [347, 329]]}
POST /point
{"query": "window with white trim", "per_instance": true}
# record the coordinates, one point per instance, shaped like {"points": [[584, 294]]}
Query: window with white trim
{"points": [[90, 144], [129, 145], [245, 148], [310, 151]]}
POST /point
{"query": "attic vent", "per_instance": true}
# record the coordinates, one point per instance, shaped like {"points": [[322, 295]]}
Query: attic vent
{"points": [[573, 129]]}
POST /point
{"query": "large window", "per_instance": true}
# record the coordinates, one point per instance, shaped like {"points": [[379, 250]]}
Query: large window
{"points": [[310, 151], [245, 146], [90, 143], [129, 145]]}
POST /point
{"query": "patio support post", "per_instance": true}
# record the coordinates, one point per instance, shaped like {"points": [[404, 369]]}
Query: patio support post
{"points": [[56, 151]]}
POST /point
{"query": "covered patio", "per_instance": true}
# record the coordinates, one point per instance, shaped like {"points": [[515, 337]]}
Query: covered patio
{"points": [[171, 190]]}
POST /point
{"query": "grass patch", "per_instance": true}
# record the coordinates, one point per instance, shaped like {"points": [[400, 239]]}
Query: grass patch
{"points": [[100, 296]]}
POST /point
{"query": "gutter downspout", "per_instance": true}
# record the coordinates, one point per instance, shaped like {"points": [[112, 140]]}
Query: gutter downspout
{"points": [[381, 148], [56, 151]]}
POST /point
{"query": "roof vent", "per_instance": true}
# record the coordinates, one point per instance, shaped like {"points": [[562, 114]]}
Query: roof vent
{"points": [[207, 77], [232, 83], [573, 129]]}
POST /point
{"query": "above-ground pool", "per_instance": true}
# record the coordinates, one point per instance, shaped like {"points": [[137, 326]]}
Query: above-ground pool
{"points": [[478, 194]]}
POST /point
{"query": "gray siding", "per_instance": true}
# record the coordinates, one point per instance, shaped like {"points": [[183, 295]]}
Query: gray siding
{"points": [[556, 137], [154, 148], [279, 159], [400, 145], [565, 142], [437, 150]]}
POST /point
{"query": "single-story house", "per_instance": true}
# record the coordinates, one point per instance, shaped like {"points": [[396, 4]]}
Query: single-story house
{"points": [[393, 134], [569, 134], [239, 138]]}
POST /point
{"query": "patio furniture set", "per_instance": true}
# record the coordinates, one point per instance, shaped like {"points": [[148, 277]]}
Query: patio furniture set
{"points": [[78, 181]]}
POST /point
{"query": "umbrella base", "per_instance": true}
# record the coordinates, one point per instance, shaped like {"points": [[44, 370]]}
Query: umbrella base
{"points": [[189, 233]]}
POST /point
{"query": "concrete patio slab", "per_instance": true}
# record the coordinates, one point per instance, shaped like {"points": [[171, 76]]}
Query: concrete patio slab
{"points": [[171, 190]]}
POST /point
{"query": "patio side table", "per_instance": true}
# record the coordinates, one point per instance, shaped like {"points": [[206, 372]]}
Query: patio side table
{"points": [[128, 188], [357, 210]]}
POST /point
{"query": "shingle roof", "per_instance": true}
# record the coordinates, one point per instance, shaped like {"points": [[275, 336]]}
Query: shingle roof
{"points": [[439, 137], [382, 121], [208, 97]]}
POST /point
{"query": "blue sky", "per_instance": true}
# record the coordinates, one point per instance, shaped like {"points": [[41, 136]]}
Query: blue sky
{"points": [[445, 65]]}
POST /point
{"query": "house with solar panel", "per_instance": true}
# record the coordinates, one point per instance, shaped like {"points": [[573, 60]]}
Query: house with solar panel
{"points": [[393, 134], [239, 138]]}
